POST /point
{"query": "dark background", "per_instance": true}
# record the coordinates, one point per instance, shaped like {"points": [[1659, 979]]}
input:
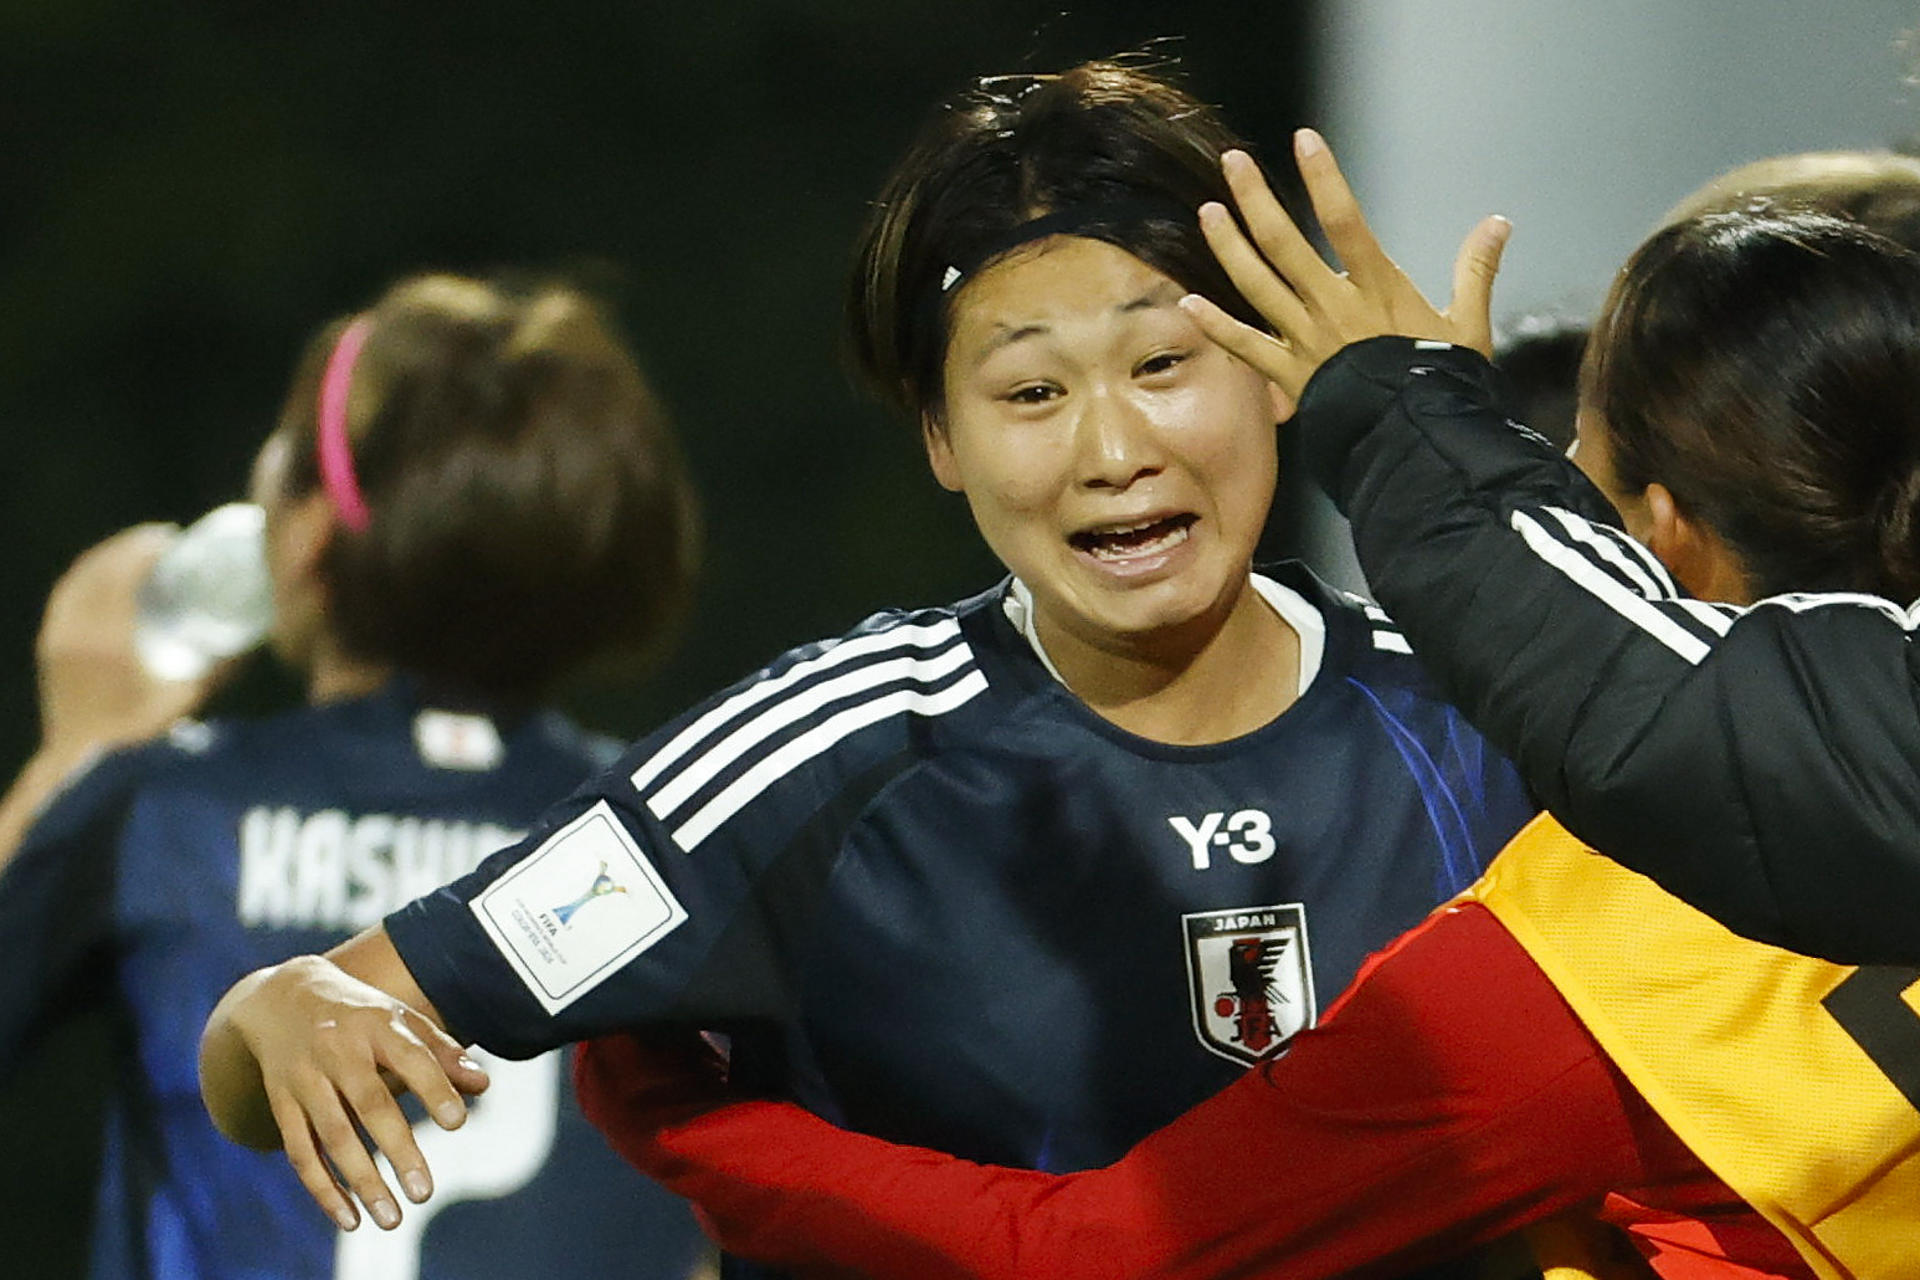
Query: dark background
{"points": [[187, 191]]}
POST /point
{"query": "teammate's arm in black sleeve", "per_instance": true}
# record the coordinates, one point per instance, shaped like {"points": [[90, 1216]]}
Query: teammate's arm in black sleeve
{"points": [[1763, 765]]}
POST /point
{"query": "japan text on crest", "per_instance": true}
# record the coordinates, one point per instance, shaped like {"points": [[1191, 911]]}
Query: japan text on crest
{"points": [[1251, 979]]}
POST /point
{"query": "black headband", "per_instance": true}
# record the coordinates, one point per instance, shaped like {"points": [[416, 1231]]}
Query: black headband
{"points": [[1077, 220]]}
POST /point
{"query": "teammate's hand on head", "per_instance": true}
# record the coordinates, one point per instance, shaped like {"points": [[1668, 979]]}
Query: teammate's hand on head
{"points": [[1312, 309], [332, 1052], [94, 692]]}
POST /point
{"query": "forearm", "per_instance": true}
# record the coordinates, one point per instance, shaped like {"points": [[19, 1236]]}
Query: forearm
{"points": [[780, 1185]]}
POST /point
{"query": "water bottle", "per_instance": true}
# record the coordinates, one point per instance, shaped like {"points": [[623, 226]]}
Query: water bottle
{"points": [[208, 596]]}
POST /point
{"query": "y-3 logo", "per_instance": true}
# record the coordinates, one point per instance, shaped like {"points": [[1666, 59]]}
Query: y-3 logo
{"points": [[1247, 836]]}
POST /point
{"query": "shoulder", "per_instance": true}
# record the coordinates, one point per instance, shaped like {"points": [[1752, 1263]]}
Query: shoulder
{"points": [[820, 719], [101, 791], [1358, 634]]}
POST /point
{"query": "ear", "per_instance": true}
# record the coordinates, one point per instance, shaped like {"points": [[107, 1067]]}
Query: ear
{"points": [[1699, 559], [933, 433]]}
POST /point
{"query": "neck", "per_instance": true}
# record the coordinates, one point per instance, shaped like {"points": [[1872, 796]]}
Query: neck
{"points": [[335, 676], [1215, 678]]}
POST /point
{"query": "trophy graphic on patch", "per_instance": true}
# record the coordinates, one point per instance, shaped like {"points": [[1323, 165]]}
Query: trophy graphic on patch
{"points": [[603, 884]]}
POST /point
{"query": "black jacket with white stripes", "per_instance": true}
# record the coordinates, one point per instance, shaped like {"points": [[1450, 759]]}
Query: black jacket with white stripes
{"points": [[1762, 764]]}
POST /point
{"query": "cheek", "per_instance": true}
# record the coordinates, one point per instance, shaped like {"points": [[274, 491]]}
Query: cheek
{"points": [[1009, 469], [1229, 437]]}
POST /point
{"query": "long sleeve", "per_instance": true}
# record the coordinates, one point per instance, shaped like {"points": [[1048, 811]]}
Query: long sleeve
{"points": [[1762, 764], [1450, 1098], [56, 900]]}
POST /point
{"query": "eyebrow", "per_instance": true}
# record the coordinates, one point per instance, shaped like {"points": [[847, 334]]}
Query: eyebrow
{"points": [[1164, 294]]}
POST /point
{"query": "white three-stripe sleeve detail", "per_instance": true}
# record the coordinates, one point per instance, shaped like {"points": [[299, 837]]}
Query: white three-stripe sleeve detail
{"points": [[710, 762], [1391, 641], [1646, 573], [925, 636], [1620, 541], [778, 764], [1609, 590], [1717, 618], [1615, 547]]}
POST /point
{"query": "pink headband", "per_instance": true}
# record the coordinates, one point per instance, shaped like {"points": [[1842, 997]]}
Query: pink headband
{"points": [[336, 456]]}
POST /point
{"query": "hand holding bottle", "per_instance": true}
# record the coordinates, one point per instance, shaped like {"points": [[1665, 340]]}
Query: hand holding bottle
{"points": [[95, 693]]}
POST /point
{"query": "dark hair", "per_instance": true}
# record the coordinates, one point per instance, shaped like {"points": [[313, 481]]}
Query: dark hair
{"points": [[530, 511], [1539, 356], [1765, 368], [1132, 154]]}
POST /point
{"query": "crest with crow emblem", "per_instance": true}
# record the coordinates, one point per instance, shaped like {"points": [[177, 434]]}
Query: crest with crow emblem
{"points": [[1251, 980]]}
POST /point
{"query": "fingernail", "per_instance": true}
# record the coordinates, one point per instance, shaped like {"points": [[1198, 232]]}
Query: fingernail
{"points": [[468, 1063], [419, 1186], [386, 1214], [1235, 157], [1190, 303], [1308, 143], [1502, 225], [449, 1114], [1212, 210], [347, 1218]]}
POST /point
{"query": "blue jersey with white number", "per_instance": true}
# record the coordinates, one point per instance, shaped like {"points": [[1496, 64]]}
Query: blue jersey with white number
{"points": [[932, 896], [165, 873]]}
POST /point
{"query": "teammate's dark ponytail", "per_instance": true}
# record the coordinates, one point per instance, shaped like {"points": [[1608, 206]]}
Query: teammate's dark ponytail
{"points": [[1899, 528], [1765, 367]]}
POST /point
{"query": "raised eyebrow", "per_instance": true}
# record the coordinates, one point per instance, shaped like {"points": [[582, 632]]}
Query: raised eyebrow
{"points": [[1164, 294], [1007, 336]]}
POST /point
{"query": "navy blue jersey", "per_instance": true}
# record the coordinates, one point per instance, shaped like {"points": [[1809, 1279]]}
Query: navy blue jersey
{"points": [[165, 873], [934, 897]]}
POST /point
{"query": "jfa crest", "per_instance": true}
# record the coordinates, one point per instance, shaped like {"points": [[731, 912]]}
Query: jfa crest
{"points": [[1252, 982]]}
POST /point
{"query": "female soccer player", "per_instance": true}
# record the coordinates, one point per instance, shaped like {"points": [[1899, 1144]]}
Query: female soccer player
{"points": [[469, 493], [1569, 1035], [1021, 877]]}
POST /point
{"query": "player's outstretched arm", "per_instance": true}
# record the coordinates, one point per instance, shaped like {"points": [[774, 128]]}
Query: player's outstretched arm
{"points": [[295, 1055], [1452, 1055], [1312, 309]]}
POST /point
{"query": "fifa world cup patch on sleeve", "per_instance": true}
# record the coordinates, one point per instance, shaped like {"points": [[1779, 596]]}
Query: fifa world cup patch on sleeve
{"points": [[578, 908]]}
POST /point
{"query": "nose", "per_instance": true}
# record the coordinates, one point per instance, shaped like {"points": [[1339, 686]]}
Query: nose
{"points": [[1118, 444]]}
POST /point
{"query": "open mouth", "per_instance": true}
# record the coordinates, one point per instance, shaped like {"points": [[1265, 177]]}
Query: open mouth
{"points": [[1125, 542]]}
